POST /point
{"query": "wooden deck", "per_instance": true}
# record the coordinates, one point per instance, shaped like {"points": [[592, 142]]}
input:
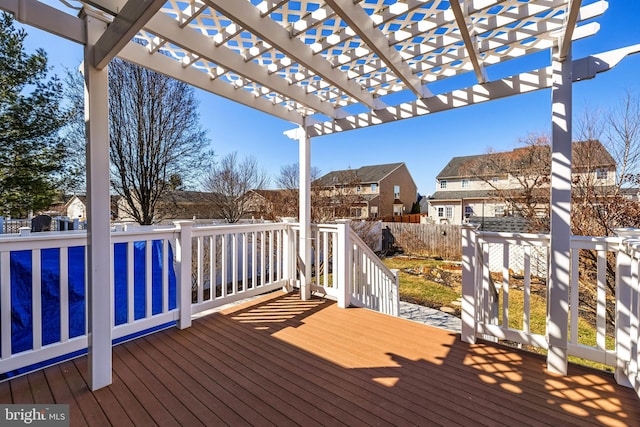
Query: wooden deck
{"points": [[281, 361]]}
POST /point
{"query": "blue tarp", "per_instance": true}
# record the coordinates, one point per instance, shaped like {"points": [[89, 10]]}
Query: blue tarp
{"points": [[21, 291]]}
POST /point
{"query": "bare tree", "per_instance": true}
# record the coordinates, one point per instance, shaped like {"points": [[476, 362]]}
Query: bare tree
{"points": [[337, 199], [289, 178], [519, 179], [284, 202], [156, 142], [606, 164], [599, 209], [155, 133], [73, 133], [231, 179]]}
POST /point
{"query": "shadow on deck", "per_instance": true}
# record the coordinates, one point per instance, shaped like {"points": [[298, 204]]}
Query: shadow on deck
{"points": [[282, 361]]}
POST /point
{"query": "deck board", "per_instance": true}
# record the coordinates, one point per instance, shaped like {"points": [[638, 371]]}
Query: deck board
{"points": [[281, 361]]}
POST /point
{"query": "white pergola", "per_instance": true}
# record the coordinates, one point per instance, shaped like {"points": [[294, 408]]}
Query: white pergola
{"points": [[328, 66]]}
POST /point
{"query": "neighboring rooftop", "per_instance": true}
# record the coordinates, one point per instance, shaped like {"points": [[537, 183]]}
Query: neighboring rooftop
{"points": [[585, 153], [363, 175]]}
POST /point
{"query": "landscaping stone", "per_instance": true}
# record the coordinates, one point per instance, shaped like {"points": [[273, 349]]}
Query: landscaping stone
{"points": [[430, 316]]}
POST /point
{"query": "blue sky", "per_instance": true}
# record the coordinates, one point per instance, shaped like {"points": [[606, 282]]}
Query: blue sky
{"points": [[425, 144]]}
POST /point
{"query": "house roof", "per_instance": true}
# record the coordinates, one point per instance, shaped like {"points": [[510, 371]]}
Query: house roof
{"points": [[188, 196], [585, 154], [362, 175], [83, 199], [270, 193]]}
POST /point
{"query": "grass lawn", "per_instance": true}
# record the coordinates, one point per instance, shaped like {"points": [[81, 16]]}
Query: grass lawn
{"points": [[417, 285], [417, 288]]}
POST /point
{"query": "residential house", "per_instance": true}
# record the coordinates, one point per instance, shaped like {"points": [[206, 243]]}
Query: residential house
{"points": [[271, 204], [369, 191], [178, 205], [76, 207], [467, 186]]}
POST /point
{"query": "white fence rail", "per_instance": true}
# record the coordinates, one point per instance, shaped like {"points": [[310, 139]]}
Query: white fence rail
{"points": [[603, 293], [628, 313], [43, 292], [373, 285], [160, 275], [233, 262], [346, 269]]}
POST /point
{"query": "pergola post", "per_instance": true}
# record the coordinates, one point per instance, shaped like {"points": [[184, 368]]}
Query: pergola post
{"points": [[99, 293], [560, 246], [305, 213]]}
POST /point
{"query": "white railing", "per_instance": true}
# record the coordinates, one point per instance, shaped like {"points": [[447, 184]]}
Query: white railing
{"points": [[163, 275], [628, 311], [345, 268], [496, 265], [232, 262], [373, 285], [43, 292]]}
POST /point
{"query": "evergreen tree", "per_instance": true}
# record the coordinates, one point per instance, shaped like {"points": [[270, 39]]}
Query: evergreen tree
{"points": [[31, 153]]}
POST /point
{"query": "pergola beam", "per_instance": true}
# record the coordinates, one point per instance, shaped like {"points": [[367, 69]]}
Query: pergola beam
{"points": [[585, 68], [202, 46], [248, 16], [140, 55], [358, 20], [124, 27], [46, 18], [470, 44], [569, 27]]}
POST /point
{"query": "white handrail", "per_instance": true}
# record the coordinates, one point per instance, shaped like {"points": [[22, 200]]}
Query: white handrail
{"points": [[516, 254]]}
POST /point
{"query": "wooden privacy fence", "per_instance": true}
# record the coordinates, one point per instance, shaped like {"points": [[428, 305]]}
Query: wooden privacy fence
{"points": [[433, 240]]}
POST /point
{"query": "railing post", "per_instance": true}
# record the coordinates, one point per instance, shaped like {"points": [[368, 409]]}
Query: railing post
{"points": [[345, 263], [468, 333], [624, 283], [183, 258], [289, 255], [396, 292]]}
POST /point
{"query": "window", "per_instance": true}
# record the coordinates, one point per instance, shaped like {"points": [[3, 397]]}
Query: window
{"points": [[495, 179], [443, 183], [358, 189], [449, 212], [374, 188], [468, 211], [601, 173], [498, 210], [440, 212], [465, 183], [396, 191], [374, 211]]}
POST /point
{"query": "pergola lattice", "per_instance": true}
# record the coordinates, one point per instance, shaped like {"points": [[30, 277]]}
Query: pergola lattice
{"points": [[336, 65], [329, 66]]}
